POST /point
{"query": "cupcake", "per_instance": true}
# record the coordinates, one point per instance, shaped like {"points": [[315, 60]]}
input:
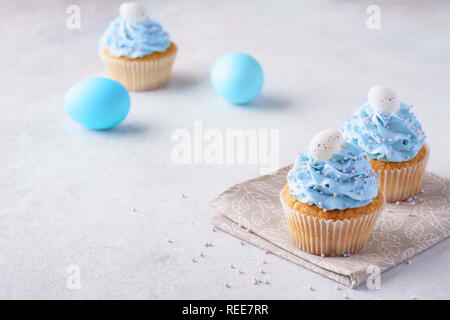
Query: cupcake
{"points": [[331, 199], [393, 140], [136, 51]]}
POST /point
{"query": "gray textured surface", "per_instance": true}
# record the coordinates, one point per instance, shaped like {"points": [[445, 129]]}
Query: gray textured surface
{"points": [[67, 193]]}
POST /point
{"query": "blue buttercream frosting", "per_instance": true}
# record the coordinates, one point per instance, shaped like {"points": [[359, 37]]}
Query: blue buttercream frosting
{"points": [[345, 181], [391, 137], [134, 40]]}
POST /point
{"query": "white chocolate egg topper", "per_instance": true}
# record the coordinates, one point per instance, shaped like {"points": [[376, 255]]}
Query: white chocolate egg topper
{"points": [[133, 12], [384, 100], [326, 143]]}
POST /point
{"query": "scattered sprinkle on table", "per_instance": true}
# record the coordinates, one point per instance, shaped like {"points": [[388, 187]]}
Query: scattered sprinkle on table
{"points": [[193, 260], [169, 240], [338, 288], [207, 244], [227, 285], [134, 209]]}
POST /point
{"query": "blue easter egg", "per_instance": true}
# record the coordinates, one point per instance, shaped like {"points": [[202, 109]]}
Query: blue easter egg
{"points": [[97, 103], [237, 77]]}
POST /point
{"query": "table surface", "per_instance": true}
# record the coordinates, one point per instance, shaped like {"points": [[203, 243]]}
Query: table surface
{"points": [[68, 193]]}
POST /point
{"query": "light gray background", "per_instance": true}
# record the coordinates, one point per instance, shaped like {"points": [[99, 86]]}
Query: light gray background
{"points": [[67, 193]]}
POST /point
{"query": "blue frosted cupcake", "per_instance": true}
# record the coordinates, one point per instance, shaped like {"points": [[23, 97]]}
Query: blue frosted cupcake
{"points": [[393, 139], [331, 199], [136, 51]]}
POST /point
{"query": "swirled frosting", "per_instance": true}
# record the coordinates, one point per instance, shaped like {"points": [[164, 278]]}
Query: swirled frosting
{"points": [[344, 181], [134, 40], [393, 137]]}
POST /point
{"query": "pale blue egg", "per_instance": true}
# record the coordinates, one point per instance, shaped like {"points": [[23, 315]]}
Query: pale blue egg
{"points": [[98, 103], [237, 77]]}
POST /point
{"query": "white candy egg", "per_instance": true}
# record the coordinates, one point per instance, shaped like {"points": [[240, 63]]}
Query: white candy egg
{"points": [[324, 144], [384, 100], [133, 12]]}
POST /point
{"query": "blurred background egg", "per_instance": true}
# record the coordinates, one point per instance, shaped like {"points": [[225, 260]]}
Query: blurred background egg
{"points": [[97, 103], [237, 77]]}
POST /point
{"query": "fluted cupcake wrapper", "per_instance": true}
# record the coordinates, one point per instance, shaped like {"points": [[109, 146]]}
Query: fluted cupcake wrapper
{"points": [[401, 184], [328, 237], [142, 75]]}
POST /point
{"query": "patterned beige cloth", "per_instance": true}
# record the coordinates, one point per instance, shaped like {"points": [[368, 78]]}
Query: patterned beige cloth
{"points": [[252, 212]]}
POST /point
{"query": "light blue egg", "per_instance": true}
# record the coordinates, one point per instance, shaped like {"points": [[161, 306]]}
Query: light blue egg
{"points": [[98, 103], [237, 77]]}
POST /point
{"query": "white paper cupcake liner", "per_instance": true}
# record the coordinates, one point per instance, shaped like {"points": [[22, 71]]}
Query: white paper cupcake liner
{"points": [[402, 184], [328, 237], [141, 75]]}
